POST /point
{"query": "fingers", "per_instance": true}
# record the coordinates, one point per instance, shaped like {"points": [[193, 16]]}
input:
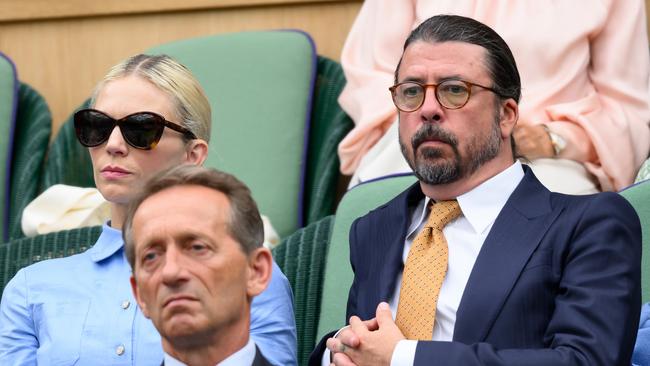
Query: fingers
{"points": [[344, 340], [340, 359], [350, 335], [335, 345], [357, 325], [384, 316], [371, 324], [338, 351]]}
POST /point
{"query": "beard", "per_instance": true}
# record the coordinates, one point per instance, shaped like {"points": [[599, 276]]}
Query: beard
{"points": [[431, 166]]}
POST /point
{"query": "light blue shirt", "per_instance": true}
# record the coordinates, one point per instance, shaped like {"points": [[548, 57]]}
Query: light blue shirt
{"points": [[80, 310], [641, 356]]}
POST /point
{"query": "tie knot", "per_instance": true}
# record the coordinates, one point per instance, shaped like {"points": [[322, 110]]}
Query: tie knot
{"points": [[442, 213]]}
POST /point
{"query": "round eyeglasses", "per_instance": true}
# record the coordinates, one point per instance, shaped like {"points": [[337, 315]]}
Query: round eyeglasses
{"points": [[451, 94]]}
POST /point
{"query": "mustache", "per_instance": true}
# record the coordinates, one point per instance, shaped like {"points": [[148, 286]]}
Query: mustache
{"points": [[431, 132]]}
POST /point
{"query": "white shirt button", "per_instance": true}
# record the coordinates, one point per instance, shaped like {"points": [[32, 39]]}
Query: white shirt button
{"points": [[120, 350], [125, 304]]}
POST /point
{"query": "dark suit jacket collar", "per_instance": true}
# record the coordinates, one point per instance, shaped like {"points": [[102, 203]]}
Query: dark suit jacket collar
{"points": [[514, 236], [398, 215]]}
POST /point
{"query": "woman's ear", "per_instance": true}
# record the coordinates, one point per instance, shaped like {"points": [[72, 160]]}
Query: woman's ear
{"points": [[197, 152]]}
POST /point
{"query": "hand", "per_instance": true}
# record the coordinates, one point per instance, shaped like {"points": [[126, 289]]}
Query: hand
{"points": [[368, 342], [337, 346], [533, 142]]}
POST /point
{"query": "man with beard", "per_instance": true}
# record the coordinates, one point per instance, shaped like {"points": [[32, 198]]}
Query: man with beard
{"points": [[478, 263]]}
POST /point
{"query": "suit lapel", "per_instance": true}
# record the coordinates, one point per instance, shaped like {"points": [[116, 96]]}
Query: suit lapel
{"points": [[388, 244], [514, 236]]}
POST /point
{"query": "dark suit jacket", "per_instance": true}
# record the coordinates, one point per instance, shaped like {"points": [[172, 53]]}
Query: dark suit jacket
{"points": [[557, 281], [259, 359]]}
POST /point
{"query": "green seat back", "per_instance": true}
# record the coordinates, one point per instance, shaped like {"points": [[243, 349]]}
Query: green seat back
{"points": [[20, 253], [68, 162], [260, 86], [8, 105], [329, 124], [639, 196], [301, 256], [31, 139], [338, 273]]}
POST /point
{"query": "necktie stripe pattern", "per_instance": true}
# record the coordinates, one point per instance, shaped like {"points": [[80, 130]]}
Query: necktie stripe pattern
{"points": [[424, 271]]}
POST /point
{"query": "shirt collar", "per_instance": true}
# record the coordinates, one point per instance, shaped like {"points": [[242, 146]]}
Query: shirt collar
{"points": [[245, 356], [481, 205], [109, 242]]}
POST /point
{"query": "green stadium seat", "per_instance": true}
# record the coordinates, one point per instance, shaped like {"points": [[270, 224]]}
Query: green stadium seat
{"points": [[639, 196], [329, 124], [301, 257], [68, 162], [316, 261], [31, 139], [338, 274], [25, 126], [8, 106]]}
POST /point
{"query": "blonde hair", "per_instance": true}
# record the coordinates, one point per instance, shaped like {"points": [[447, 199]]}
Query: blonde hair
{"points": [[191, 103]]}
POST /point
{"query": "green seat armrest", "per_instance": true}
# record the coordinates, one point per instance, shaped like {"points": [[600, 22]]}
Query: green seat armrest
{"points": [[639, 197], [338, 274], [301, 256]]}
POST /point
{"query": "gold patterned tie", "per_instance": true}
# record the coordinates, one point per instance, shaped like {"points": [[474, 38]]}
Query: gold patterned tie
{"points": [[424, 271]]}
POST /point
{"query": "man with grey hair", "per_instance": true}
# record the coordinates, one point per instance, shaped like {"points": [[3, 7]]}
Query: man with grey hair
{"points": [[194, 241]]}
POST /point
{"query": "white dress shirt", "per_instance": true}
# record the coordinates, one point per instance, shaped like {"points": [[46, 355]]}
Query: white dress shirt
{"points": [[465, 236], [244, 357]]}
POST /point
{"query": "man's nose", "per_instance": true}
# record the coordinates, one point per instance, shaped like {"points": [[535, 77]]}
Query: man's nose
{"points": [[431, 110], [174, 267]]}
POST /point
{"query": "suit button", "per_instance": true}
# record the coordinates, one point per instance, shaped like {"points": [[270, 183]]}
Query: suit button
{"points": [[120, 350]]}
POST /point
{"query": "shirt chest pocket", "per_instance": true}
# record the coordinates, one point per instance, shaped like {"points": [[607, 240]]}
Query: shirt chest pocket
{"points": [[59, 327]]}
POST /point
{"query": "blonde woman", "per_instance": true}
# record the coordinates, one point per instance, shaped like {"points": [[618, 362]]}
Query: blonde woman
{"points": [[148, 114]]}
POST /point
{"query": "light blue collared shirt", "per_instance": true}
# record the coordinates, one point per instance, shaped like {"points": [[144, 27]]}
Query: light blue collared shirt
{"points": [[80, 310]]}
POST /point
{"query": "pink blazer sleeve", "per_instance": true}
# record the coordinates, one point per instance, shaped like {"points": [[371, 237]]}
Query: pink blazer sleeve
{"points": [[612, 119]]}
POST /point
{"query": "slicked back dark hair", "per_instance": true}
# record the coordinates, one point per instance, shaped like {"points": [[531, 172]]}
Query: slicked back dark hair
{"points": [[454, 28]]}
